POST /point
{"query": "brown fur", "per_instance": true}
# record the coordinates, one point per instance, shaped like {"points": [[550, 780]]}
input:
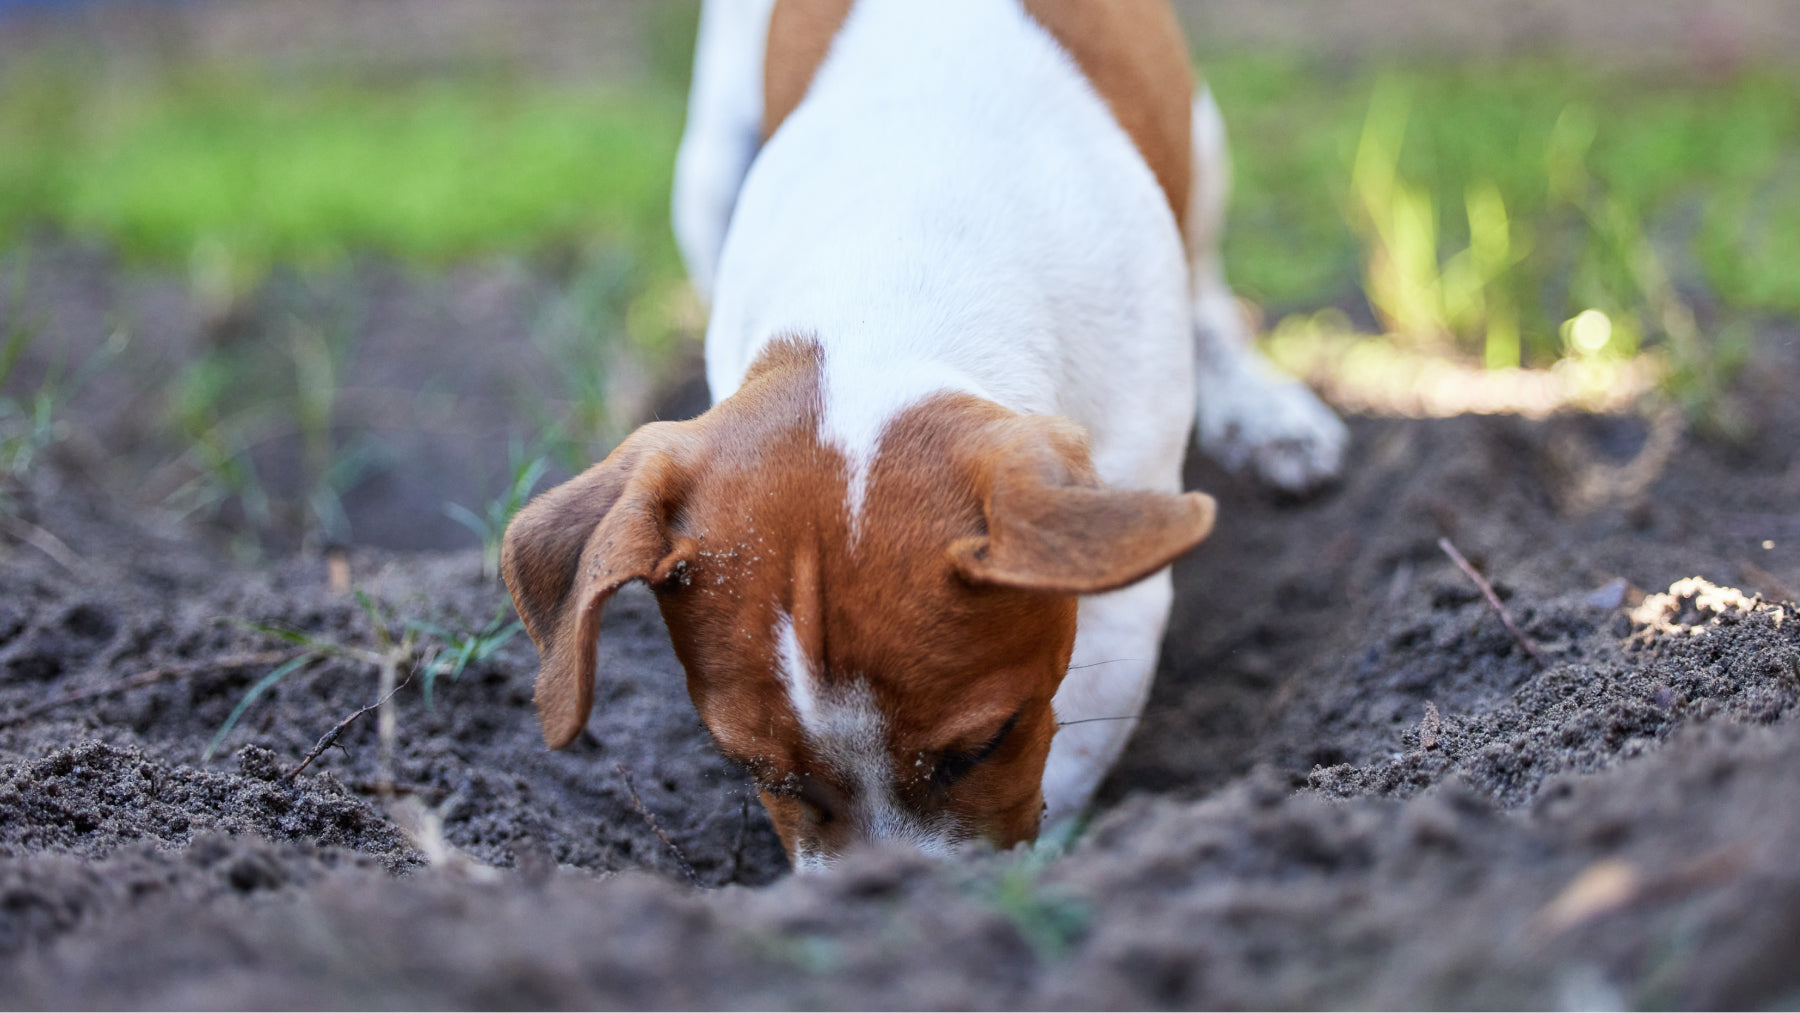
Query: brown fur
{"points": [[800, 34], [955, 606], [1131, 51]]}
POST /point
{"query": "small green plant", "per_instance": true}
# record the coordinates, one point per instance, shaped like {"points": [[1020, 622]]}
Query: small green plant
{"points": [[1050, 921], [809, 952], [321, 353], [1420, 296], [490, 525], [420, 647], [455, 651], [230, 407], [33, 423], [582, 330], [388, 655]]}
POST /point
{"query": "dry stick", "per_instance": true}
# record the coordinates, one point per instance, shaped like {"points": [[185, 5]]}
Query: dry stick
{"points": [[655, 827], [146, 678], [1493, 600], [329, 738]]}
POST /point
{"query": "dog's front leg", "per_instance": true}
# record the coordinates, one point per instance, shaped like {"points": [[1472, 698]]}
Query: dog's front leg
{"points": [[1118, 636]]}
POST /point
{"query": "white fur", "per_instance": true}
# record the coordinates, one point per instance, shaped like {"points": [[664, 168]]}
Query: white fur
{"points": [[797, 673], [953, 208], [724, 126]]}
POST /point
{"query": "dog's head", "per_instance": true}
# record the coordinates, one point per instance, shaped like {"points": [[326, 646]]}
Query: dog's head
{"points": [[879, 649]]}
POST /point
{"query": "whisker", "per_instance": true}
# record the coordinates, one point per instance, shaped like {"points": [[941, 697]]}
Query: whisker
{"points": [[1083, 721], [1097, 664]]}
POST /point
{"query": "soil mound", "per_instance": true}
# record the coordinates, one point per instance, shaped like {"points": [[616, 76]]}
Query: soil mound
{"points": [[1354, 786]]}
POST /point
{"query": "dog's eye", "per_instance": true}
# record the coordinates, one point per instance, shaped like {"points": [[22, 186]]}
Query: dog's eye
{"points": [[956, 766]]}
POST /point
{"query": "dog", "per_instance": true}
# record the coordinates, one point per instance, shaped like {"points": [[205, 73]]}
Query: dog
{"points": [[966, 307]]}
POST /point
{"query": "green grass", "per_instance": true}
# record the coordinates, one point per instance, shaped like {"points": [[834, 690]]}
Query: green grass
{"points": [[1477, 209], [1511, 197], [228, 173]]}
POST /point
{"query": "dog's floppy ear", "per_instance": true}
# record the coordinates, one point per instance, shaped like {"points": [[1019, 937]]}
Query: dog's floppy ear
{"points": [[1053, 527], [568, 551]]}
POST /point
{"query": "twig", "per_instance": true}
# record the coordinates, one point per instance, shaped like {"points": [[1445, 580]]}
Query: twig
{"points": [[145, 678], [655, 827], [1493, 600], [329, 738]]}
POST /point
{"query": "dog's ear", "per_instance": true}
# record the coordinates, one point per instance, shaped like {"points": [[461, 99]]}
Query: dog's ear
{"points": [[1051, 525], [568, 551]]}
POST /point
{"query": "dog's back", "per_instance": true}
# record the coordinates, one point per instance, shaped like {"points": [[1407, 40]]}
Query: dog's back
{"points": [[953, 205], [1129, 50]]}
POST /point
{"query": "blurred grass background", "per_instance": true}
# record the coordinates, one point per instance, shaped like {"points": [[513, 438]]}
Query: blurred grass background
{"points": [[1499, 213], [228, 171]]}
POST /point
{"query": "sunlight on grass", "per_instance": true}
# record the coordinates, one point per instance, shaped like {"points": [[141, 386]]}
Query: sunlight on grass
{"points": [[1486, 207], [1377, 375], [1472, 211], [1422, 165]]}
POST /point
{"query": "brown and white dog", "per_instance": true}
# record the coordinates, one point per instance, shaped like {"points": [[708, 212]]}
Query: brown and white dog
{"points": [[962, 257]]}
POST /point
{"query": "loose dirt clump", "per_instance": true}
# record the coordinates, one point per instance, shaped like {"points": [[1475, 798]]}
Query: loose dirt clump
{"points": [[1353, 786]]}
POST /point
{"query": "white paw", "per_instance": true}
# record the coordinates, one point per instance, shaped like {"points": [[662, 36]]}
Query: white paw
{"points": [[1252, 417]]}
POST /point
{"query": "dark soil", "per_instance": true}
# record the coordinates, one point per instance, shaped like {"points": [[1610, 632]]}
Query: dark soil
{"points": [[1353, 788]]}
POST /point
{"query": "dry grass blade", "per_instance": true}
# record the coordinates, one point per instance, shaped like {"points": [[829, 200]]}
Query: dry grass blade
{"points": [[1611, 885], [1493, 600], [145, 678], [46, 543]]}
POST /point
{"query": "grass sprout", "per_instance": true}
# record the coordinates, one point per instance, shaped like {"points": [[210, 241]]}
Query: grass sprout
{"points": [[32, 423], [1050, 921], [490, 525], [456, 651]]}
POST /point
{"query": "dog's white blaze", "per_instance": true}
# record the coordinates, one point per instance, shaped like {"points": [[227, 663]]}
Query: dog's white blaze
{"points": [[850, 737], [796, 672]]}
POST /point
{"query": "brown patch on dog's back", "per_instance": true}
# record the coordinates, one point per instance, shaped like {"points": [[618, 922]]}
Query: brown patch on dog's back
{"points": [[1131, 51], [1134, 54], [800, 34]]}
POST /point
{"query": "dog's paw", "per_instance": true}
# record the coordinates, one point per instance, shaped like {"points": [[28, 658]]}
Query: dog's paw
{"points": [[1255, 419]]}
